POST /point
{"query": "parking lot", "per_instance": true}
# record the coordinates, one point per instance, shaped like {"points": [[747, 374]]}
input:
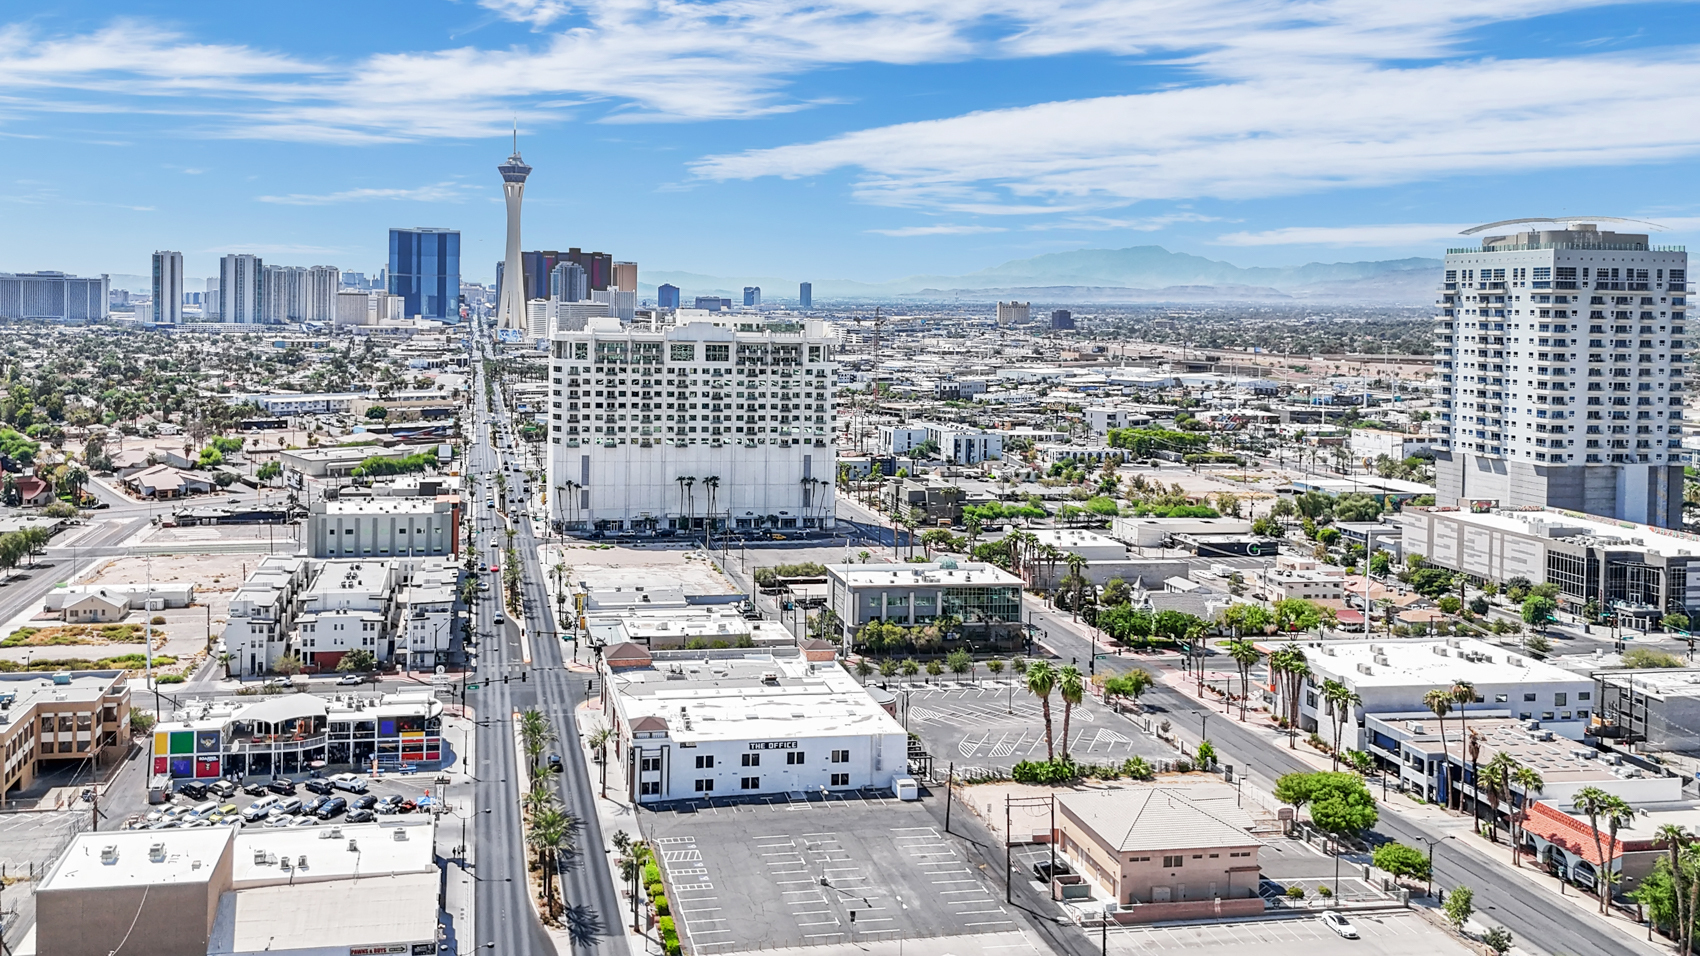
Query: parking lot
{"points": [[996, 723], [1383, 934], [1289, 862], [412, 787], [778, 873]]}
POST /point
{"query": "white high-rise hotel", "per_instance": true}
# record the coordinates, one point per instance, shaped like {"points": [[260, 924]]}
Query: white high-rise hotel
{"points": [[716, 417], [1561, 354]]}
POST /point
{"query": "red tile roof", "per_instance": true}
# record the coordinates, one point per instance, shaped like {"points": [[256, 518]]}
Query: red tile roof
{"points": [[1557, 827]]}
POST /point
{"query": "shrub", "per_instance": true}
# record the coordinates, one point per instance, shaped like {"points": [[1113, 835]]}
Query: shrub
{"points": [[655, 889], [1047, 772], [1295, 892], [665, 924], [1137, 768], [670, 944], [169, 679], [157, 619], [659, 901]]}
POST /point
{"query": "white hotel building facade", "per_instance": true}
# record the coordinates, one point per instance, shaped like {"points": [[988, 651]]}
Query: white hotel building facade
{"points": [[714, 417], [1561, 356]]}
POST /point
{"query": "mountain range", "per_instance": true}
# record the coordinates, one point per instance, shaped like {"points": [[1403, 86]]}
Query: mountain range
{"points": [[1132, 275]]}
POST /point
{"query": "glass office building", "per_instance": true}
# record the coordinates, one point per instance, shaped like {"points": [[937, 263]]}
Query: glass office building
{"points": [[425, 271]]}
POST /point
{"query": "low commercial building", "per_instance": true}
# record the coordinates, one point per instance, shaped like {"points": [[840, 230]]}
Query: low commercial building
{"points": [[359, 888], [339, 461], [1641, 572], [1391, 677], [1652, 710], [73, 602], [938, 502], [1149, 848], [983, 596], [52, 720], [289, 733], [1158, 532], [385, 526], [1297, 576], [696, 724]]}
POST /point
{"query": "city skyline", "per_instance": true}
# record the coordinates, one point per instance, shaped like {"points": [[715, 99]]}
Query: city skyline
{"points": [[871, 143]]}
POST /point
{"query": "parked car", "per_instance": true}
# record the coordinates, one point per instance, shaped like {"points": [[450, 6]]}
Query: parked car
{"points": [[289, 805], [349, 679], [364, 803], [204, 809], [254, 788], [1043, 871], [359, 816], [259, 808], [281, 820], [1339, 924], [332, 807], [192, 790], [314, 804], [303, 821], [351, 782], [282, 786], [223, 789], [318, 785]]}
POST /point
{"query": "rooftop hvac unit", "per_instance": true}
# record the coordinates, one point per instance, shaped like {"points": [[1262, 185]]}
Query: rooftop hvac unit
{"points": [[156, 853], [109, 854], [400, 834]]}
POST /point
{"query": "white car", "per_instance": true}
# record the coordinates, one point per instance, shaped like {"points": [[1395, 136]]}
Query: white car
{"points": [[1339, 924], [280, 820], [349, 782]]}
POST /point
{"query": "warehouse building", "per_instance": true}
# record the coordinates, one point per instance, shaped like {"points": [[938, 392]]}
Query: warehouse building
{"points": [[729, 723]]}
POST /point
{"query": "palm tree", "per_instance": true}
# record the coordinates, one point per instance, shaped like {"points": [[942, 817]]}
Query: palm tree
{"points": [[1529, 781], [1439, 702], [1291, 667], [550, 834], [538, 799], [1071, 687], [535, 734], [1246, 656], [1675, 838], [712, 483], [1594, 802], [598, 741], [225, 658], [1497, 784], [1340, 700], [1041, 680], [1464, 693], [1618, 814]]}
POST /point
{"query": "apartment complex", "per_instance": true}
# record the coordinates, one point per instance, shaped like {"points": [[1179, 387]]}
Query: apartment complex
{"points": [[53, 296], [399, 610], [167, 305], [46, 719], [241, 289], [722, 421], [1561, 359]]}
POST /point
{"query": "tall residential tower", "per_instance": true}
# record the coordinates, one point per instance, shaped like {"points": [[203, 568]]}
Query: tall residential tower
{"points": [[1561, 354], [510, 313], [167, 305]]}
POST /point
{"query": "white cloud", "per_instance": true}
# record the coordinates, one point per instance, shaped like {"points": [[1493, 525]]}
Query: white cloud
{"points": [[1107, 223], [440, 192], [1321, 126], [1392, 234], [641, 60], [939, 230]]}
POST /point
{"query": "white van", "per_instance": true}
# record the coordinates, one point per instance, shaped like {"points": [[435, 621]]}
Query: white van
{"points": [[205, 810], [259, 808]]}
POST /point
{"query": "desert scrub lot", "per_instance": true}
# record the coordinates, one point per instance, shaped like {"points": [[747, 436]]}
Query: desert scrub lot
{"points": [[74, 634]]}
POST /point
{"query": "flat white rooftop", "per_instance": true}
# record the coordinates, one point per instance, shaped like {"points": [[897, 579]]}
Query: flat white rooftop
{"points": [[1436, 663], [733, 699], [1552, 523], [187, 856], [327, 916], [355, 850], [935, 573]]}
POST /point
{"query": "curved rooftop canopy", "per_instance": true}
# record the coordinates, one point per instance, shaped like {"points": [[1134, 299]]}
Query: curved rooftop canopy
{"points": [[1514, 222]]}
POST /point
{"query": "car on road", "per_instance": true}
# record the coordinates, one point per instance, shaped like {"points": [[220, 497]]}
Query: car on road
{"points": [[282, 786], [555, 763], [1339, 924], [1044, 870], [360, 816], [275, 682], [348, 679], [319, 785], [332, 807], [498, 620], [351, 782]]}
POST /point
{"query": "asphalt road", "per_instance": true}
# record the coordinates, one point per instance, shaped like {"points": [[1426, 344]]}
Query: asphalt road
{"points": [[1535, 920], [504, 915]]}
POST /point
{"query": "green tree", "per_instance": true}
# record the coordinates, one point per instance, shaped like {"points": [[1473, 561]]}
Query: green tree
{"points": [[1404, 862], [1340, 700], [269, 471], [1675, 621], [1071, 687], [535, 733], [959, 662], [377, 413], [1245, 655], [1460, 905], [1497, 940], [1129, 685], [1538, 611], [289, 665], [1380, 564], [358, 659]]}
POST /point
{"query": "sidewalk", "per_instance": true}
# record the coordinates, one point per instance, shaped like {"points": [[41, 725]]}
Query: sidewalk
{"points": [[614, 813], [454, 837]]}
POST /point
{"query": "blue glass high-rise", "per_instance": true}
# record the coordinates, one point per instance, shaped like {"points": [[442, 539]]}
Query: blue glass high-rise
{"points": [[425, 271]]}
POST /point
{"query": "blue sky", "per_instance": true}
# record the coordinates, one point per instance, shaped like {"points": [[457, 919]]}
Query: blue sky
{"points": [[859, 139]]}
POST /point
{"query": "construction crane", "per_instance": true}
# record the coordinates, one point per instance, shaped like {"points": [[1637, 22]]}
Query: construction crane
{"points": [[879, 323]]}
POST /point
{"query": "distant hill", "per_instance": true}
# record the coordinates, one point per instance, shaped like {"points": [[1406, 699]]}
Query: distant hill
{"points": [[1135, 274]]}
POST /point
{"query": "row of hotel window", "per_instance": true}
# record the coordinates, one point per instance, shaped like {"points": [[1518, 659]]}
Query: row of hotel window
{"points": [[652, 788], [706, 761]]}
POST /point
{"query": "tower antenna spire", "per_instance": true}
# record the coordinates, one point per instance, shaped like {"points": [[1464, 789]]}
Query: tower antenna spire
{"points": [[516, 135]]}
